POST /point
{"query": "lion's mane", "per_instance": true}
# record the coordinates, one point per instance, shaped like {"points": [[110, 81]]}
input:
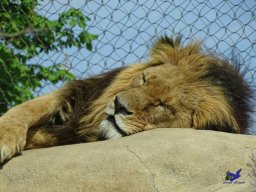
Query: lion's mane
{"points": [[84, 101]]}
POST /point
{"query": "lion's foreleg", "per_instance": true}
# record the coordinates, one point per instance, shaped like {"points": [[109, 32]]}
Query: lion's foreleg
{"points": [[41, 137], [15, 123]]}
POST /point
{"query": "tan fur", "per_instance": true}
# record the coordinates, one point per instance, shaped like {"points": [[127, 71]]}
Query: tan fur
{"points": [[120, 84], [182, 61], [170, 90], [15, 123]]}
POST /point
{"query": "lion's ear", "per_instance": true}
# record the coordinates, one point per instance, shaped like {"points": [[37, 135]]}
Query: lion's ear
{"points": [[214, 114], [167, 49]]}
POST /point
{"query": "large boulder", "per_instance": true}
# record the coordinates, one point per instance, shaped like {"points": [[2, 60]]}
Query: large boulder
{"points": [[159, 160]]}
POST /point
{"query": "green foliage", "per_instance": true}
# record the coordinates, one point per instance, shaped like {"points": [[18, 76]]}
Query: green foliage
{"points": [[25, 34]]}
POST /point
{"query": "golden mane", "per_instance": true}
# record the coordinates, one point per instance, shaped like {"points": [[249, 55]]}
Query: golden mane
{"points": [[118, 84], [195, 66], [180, 86]]}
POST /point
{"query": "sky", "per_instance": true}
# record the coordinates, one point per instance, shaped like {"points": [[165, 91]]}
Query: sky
{"points": [[127, 29]]}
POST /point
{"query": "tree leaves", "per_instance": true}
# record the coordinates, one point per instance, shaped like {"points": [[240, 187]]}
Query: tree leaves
{"points": [[24, 34]]}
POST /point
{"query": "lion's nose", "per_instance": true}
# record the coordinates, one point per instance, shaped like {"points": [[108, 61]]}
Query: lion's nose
{"points": [[120, 108]]}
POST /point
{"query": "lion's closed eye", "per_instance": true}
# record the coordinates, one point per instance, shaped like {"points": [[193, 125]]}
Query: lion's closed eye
{"points": [[167, 108], [139, 80]]}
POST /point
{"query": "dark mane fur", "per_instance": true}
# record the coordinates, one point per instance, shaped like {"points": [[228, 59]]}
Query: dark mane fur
{"points": [[173, 42], [82, 92], [79, 94], [231, 79]]}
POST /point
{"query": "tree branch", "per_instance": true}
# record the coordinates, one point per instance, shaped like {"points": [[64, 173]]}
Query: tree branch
{"points": [[20, 33]]}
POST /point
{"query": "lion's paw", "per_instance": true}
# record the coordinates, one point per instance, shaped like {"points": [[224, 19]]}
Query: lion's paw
{"points": [[10, 145]]}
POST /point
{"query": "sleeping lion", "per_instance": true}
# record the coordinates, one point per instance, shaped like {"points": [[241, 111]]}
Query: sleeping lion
{"points": [[179, 86]]}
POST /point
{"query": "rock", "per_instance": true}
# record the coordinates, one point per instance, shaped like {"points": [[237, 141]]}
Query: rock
{"points": [[159, 160]]}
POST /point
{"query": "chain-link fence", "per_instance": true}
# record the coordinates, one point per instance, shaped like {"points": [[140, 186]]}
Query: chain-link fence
{"points": [[126, 30]]}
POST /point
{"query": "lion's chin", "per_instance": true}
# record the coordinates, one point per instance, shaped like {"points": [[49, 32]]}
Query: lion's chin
{"points": [[110, 130]]}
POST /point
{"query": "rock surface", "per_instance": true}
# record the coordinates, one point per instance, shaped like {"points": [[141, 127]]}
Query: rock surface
{"points": [[160, 160]]}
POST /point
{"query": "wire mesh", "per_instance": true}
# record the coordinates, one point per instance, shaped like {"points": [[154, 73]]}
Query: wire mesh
{"points": [[127, 29]]}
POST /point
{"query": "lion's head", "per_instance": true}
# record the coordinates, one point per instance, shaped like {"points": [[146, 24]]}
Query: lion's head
{"points": [[178, 87]]}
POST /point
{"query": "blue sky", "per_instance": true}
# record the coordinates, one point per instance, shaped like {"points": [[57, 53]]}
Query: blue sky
{"points": [[127, 29]]}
